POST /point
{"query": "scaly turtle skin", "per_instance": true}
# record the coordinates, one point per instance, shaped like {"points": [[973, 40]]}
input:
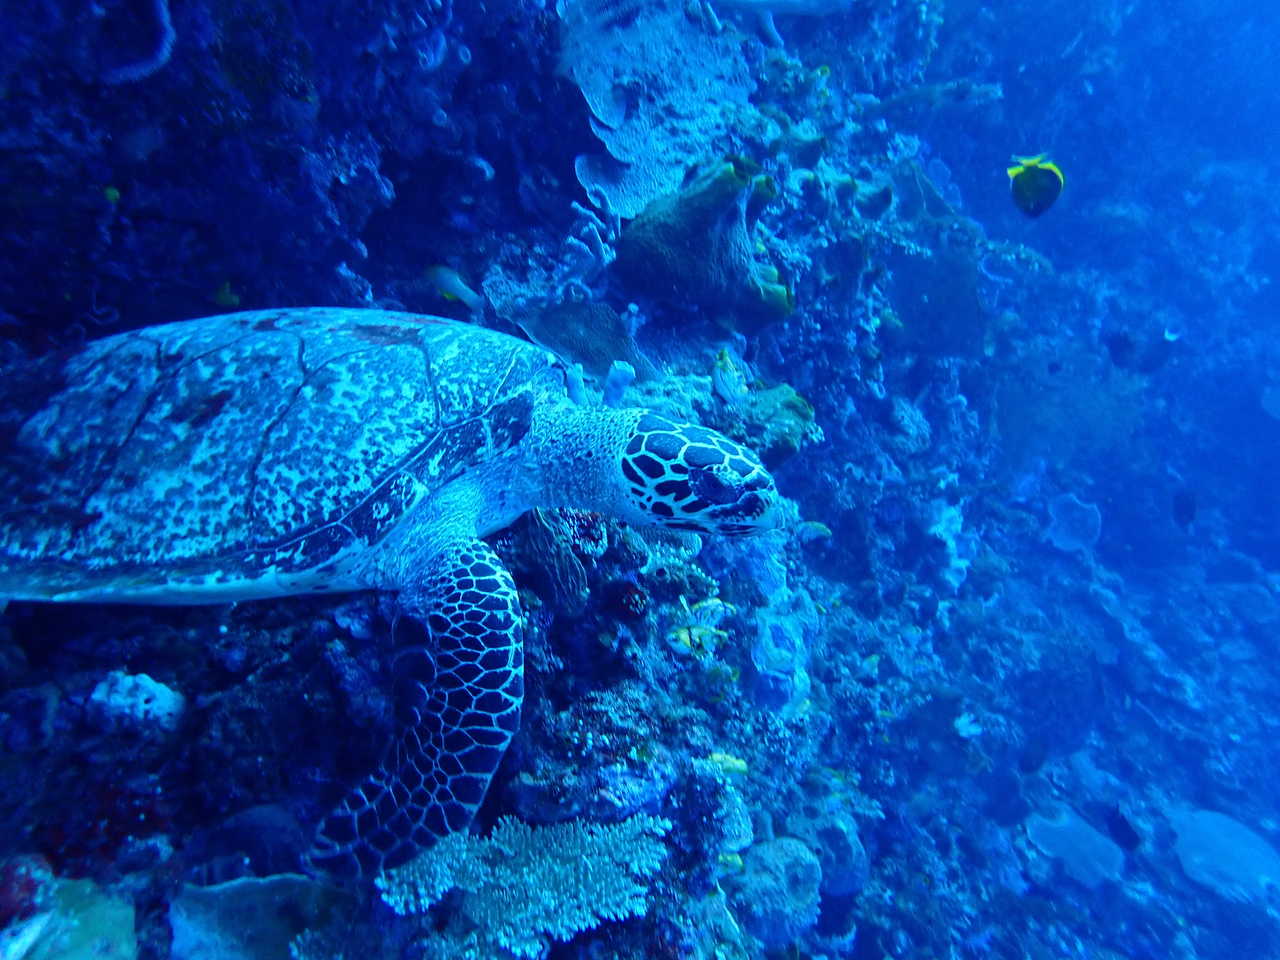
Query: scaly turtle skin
{"points": [[305, 450]]}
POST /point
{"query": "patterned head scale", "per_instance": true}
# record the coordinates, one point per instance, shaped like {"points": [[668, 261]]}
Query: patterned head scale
{"points": [[687, 477]]}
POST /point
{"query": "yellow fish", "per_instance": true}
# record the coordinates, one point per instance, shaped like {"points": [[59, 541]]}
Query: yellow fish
{"points": [[225, 296], [450, 285], [1035, 183]]}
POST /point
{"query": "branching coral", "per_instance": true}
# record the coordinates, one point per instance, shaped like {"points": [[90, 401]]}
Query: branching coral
{"points": [[522, 885]]}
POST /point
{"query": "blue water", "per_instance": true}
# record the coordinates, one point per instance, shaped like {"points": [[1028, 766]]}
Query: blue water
{"points": [[998, 681]]}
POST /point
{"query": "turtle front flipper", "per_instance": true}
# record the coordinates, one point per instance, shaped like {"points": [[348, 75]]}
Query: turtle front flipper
{"points": [[459, 685]]}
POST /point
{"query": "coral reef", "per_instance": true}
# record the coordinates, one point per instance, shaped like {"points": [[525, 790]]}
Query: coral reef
{"points": [[522, 885], [695, 246], [1001, 683], [777, 892], [644, 70]]}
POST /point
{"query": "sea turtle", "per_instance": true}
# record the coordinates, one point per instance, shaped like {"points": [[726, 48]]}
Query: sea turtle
{"points": [[290, 451]]}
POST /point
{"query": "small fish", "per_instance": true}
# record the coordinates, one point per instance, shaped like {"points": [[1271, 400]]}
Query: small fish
{"points": [[450, 285], [1035, 183], [1146, 356], [225, 296], [801, 8], [765, 9], [729, 380], [1184, 507], [1122, 829], [1122, 349], [728, 762]]}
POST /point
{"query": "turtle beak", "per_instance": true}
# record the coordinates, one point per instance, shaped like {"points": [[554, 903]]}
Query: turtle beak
{"points": [[755, 510], [765, 500]]}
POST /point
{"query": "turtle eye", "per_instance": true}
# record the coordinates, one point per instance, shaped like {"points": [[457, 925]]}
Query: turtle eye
{"points": [[709, 487]]}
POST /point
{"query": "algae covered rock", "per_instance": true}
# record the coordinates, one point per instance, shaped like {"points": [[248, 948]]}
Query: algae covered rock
{"points": [[936, 296], [846, 868], [778, 420], [776, 896], [586, 332], [694, 247], [71, 920], [251, 918]]}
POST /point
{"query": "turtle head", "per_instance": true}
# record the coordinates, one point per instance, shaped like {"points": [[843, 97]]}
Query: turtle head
{"points": [[687, 477]]}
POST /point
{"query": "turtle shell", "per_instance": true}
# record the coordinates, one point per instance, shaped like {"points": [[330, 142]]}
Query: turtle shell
{"points": [[251, 454]]}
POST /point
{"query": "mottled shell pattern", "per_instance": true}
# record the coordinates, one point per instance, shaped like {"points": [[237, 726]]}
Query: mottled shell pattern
{"points": [[253, 454]]}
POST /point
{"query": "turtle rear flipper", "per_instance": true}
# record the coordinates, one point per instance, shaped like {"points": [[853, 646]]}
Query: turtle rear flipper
{"points": [[459, 685]]}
